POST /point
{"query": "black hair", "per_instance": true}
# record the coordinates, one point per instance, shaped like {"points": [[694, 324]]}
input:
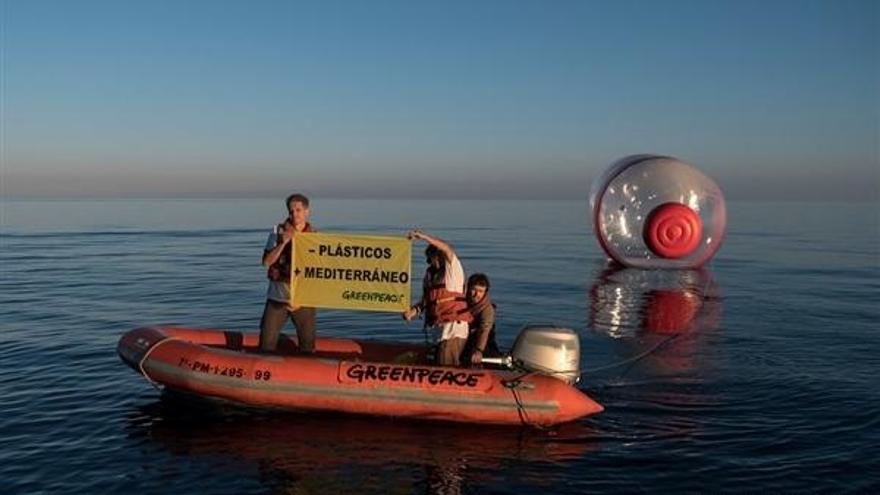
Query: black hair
{"points": [[478, 279], [432, 251], [298, 198]]}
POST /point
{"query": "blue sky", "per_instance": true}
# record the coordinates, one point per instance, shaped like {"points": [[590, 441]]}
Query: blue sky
{"points": [[774, 99]]}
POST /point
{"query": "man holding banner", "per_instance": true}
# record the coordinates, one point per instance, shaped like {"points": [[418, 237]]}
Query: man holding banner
{"points": [[443, 300], [277, 258]]}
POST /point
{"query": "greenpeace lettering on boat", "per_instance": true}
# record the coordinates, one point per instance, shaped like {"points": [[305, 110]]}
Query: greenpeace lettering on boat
{"points": [[413, 376], [342, 271]]}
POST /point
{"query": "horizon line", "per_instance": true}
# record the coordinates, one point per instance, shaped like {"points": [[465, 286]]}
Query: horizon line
{"points": [[313, 197]]}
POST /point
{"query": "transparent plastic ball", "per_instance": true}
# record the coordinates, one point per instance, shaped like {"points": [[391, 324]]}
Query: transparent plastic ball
{"points": [[652, 211]]}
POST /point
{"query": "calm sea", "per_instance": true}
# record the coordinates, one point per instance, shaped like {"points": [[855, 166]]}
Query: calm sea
{"points": [[758, 373]]}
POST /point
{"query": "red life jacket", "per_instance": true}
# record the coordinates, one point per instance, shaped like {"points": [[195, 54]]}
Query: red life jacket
{"points": [[280, 270], [442, 305]]}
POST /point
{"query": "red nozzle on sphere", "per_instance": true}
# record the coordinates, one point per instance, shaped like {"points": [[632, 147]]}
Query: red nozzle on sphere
{"points": [[673, 230]]}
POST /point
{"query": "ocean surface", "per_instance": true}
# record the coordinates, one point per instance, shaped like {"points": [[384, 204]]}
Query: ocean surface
{"points": [[759, 372]]}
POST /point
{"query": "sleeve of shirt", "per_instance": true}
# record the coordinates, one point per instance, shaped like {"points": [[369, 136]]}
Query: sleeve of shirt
{"points": [[455, 275], [488, 319]]}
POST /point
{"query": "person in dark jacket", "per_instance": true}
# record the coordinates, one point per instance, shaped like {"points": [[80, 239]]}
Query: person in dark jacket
{"points": [[481, 336]]}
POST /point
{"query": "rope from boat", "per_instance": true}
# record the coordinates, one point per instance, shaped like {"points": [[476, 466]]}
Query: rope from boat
{"points": [[513, 385], [147, 354], [630, 360], [662, 343], [425, 333], [636, 358]]}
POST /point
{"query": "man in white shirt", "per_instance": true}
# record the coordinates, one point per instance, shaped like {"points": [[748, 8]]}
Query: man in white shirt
{"points": [[443, 302]]}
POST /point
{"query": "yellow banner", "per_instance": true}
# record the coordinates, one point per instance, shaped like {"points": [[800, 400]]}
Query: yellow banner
{"points": [[350, 272]]}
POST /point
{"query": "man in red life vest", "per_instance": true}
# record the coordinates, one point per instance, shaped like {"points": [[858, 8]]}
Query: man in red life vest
{"points": [[443, 302], [481, 340], [277, 258]]}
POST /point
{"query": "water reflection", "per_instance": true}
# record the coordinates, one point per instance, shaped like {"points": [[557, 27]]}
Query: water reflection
{"points": [[627, 302], [300, 453], [657, 325]]}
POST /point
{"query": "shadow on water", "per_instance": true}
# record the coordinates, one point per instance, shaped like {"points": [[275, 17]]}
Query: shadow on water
{"points": [[302, 453]]}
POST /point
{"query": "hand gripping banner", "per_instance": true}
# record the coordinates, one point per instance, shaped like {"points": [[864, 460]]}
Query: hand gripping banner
{"points": [[341, 271]]}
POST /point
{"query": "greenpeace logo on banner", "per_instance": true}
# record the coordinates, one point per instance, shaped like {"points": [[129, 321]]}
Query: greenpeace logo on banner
{"points": [[351, 272]]}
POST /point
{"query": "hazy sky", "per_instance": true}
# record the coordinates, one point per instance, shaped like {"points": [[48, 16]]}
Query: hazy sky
{"points": [[773, 99]]}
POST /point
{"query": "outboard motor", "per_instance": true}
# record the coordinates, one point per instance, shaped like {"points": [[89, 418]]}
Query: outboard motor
{"points": [[549, 350]]}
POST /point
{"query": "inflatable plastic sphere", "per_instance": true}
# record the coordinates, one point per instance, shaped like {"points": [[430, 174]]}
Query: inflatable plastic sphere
{"points": [[653, 211]]}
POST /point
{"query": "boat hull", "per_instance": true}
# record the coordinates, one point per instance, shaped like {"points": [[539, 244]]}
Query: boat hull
{"points": [[349, 376]]}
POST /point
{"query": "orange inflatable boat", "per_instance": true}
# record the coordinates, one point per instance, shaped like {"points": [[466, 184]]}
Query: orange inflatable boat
{"points": [[349, 376]]}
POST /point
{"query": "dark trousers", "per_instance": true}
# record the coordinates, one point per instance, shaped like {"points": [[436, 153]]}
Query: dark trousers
{"points": [[275, 315]]}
